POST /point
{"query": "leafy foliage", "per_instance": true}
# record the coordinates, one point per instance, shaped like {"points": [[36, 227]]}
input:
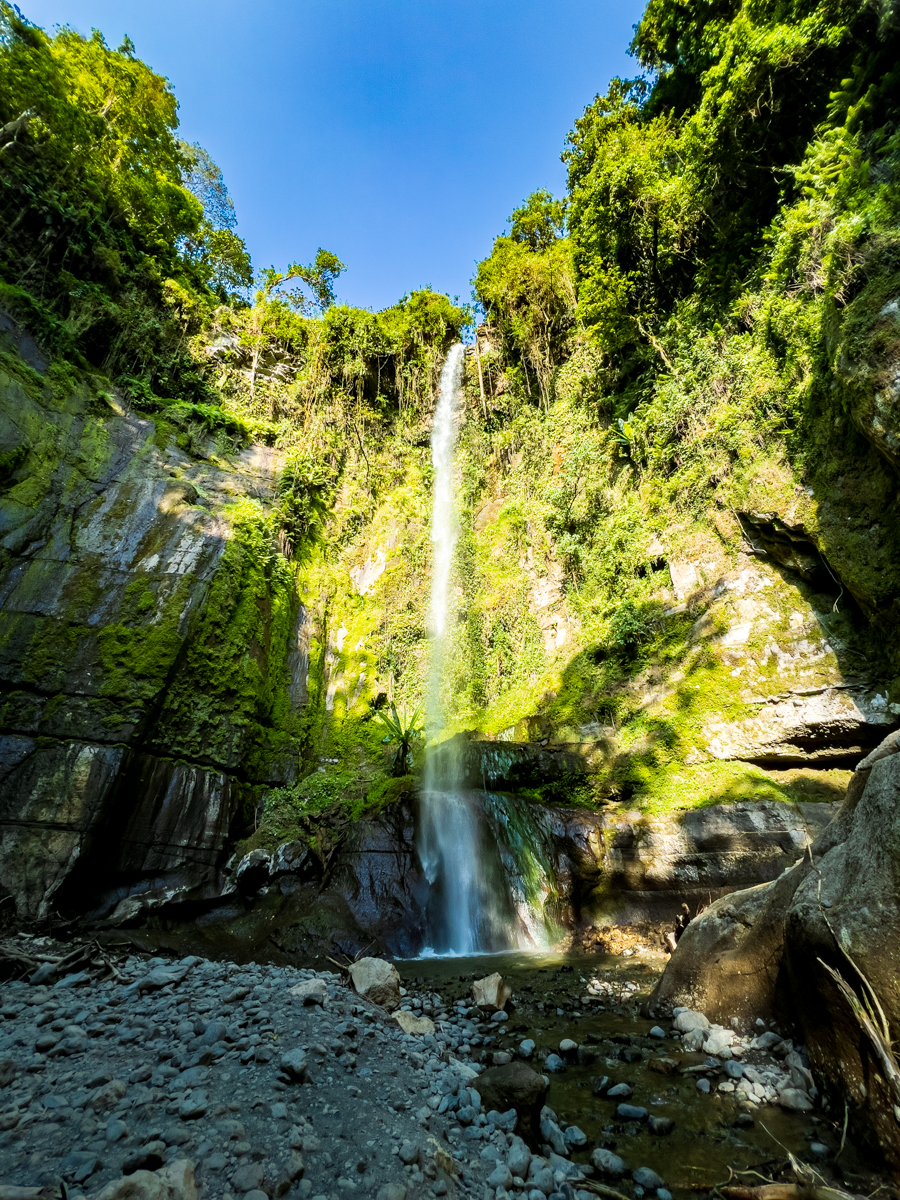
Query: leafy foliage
{"points": [[319, 277], [306, 494], [527, 290], [103, 249], [402, 730]]}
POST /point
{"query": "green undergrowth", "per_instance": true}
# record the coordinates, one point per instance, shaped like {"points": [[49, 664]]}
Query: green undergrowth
{"points": [[695, 344], [317, 809]]}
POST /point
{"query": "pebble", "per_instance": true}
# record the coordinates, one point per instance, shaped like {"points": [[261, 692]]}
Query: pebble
{"points": [[211, 1061], [209, 1056], [648, 1179], [607, 1163]]}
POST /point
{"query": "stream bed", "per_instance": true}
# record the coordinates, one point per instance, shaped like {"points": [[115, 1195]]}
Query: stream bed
{"points": [[714, 1135]]}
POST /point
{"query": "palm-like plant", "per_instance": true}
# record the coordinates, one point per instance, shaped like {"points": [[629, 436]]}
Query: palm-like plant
{"points": [[401, 730]]}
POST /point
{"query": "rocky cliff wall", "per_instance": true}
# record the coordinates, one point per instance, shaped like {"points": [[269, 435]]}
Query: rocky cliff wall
{"points": [[148, 639], [593, 869]]}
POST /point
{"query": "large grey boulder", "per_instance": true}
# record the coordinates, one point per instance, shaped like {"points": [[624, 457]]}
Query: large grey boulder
{"points": [[253, 871], [780, 948], [517, 1086], [378, 981]]}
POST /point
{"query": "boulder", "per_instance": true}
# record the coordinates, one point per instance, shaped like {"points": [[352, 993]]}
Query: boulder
{"points": [[845, 912], [311, 991], [519, 1158], [799, 947], [417, 1026], [517, 1086], [608, 1164], [727, 961], [178, 1176], [253, 871], [294, 1066], [688, 1020], [491, 992], [290, 856], [142, 1185], [377, 981], [174, 1182], [795, 1100], [718, 1042]]}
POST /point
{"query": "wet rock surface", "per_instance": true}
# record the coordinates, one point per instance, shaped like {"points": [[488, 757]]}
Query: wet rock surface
{"points": [[624, 1102], [611, 870], [121, 764]]}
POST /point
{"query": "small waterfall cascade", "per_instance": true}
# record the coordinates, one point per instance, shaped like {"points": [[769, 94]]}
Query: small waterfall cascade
{"points": [[476, 902]]}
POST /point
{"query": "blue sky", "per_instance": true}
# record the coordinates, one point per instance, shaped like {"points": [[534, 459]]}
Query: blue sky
{"points": [[399, 134]]}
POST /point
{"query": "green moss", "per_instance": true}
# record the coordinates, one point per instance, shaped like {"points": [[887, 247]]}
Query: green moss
{"points": [[684, 787], [137, 653], [316, 809], [229, 700]]}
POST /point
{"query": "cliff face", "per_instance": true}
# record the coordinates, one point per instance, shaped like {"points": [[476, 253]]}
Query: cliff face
{"points": [[564, 870], [686, 654], [155, 644], [147, 646]]}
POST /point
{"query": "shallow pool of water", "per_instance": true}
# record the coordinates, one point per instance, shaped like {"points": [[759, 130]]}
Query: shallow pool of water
{"points": [[708, 1143]]}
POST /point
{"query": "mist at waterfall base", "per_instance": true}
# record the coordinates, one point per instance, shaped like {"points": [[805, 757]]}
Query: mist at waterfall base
{"points": [[477, 902]]}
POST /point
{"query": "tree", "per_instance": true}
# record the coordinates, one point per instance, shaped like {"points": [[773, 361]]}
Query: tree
{"points": [[319, 277], [538, 221], [204, 180], [216, 250]]}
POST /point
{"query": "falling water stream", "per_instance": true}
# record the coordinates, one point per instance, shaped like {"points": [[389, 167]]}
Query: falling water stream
{"points": [[475, 904], [449, 826]]}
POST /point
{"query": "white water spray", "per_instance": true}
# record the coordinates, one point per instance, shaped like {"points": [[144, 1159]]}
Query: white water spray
{"points": [[443, 518], [474, 905], [449, 843]]}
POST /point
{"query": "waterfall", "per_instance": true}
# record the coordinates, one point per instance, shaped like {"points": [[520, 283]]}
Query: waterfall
{"points": [[476, 894], [449, 839], [443, 517]]}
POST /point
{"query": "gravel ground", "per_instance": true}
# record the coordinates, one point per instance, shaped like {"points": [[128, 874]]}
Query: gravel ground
{"points": [[266, 1094]]}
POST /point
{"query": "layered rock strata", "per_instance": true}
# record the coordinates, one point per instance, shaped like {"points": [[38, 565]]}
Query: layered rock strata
{"points": [[146, 655]]}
